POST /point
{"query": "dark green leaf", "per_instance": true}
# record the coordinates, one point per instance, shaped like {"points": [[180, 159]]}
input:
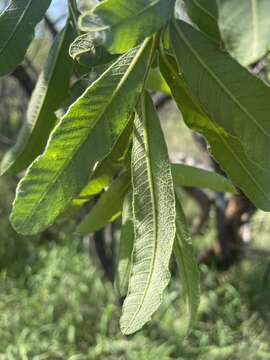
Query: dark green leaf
{"points": [[187, 263], [125, 247], [17, 29]]}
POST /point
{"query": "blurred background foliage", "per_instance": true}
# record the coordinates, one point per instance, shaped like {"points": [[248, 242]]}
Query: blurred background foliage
{"points": [[56, 303]]}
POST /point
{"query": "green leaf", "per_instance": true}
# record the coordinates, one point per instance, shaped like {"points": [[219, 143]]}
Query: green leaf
{"points": [[185, 175], [50, 91], [87, 53], [245, 28], [204, 14], [251, 178], [154, 220], [17, 29], [156, 82], [85, 135], [187, 263], [233, 98], [125, 247], [108, 207], [110, 166], [119, 25]]}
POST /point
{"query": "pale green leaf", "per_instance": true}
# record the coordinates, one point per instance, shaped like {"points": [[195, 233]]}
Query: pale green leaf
{"points": [[107, 208], [185, 175], [204, 14], [156, 82], [85, 135], [227, 150], [245, 28], [50, 91], [120, 25], [124, 257], [154, 220], [187, 263], [17, 29]]}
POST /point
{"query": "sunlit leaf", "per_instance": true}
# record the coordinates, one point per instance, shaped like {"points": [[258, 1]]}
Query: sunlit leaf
{"points": [[154, 220], [85, 135]]}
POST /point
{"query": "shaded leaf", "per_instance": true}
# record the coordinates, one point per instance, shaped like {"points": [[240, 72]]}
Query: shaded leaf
{"points": [[154, 220], [185, 175], [227, 149], [187, 263], [17, 29], [120, 25], [204, 14], [125, 247], [245, 28], [107, 208], [50, 91], [85, 135]]}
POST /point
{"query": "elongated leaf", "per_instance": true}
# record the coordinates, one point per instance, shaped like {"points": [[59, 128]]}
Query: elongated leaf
{"points": [[245, 28], [85, 135], [50, 91], [185, 175], [154, 220], [187, 263], [204, 13], [155, 82], [228, 151], [108, 207], [125, 247], [120, 25], [17, 25], [232, 97]]}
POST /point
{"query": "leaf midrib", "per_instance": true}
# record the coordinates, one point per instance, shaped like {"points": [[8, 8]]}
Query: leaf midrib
{"points": [[154, 213], [24, 13], [203, 9], [58, 174], [216, 79]]}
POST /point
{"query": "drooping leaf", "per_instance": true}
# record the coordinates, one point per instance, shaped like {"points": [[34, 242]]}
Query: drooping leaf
{"points": [[204, 14], [50, 91], [154, 220], [233, 98], [120, 25], [17, 27], [125, 247], [107, 208], [185, 175], [187, 263], [244, 27], [85, 135], [251, 178]]}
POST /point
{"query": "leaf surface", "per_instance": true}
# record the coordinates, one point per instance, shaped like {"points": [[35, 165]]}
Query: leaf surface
{"points": [[154, 220], [204, 14], [50, 91], [251, 178], [120, 25], [107, 208], [17, 28], [125, 247], [185, 175], [187, 263], [234, 99], [245, 28], [85, 135]]}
